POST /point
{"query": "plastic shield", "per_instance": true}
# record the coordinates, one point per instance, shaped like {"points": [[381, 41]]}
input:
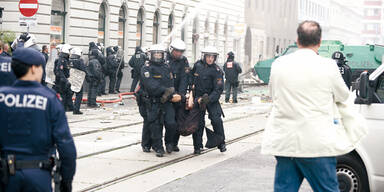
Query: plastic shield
{"points": [[76, 79]]}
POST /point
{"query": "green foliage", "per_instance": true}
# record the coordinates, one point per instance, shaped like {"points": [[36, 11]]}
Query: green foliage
{"points": [[7, 36]]}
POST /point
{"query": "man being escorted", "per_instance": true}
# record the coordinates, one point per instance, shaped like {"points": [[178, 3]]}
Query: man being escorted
{"points": [[232, 70], [33, 126], [158, 83], [301, 131], [208, 86]]}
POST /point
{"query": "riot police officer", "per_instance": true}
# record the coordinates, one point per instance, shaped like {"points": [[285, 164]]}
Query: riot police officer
{"points": [[158, 83], [136, 62], [112, 66], [76, 62], [62, 75], [6, 75], [36, 125], [94, 76], [103, 62], [345, 70], [208, 86], [120, 68], [232, 70], [180, 69]]}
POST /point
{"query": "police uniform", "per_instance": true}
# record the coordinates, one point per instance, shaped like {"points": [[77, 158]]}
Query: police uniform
{"points": [[208, 79], [120, 61], [112, 66], [232, 70], [34, 122], [180, 71], [136, 62], [61, 81], [345, 70], [157, 79], [102, 60], [94, 77], [6, 75], [78, 63]]}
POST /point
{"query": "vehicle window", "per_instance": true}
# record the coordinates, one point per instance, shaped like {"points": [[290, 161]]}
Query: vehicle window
{"points": [[380, 88]]}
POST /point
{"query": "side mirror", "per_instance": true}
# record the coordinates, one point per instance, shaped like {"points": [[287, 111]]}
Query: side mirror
{"points": [[363, 91]]}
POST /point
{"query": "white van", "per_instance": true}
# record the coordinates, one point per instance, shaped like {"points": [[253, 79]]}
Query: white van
{"points": [[362, 170]]}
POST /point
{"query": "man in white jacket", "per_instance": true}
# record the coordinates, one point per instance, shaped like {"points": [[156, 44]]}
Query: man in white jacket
{"points": [[302, 131]]}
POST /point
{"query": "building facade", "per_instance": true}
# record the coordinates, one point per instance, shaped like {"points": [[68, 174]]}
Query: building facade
{"points": [[271, 27], [131, 23], [373, 22]]}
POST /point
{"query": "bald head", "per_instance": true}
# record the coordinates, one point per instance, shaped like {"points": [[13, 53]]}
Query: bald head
{"points": [[309, 34]]}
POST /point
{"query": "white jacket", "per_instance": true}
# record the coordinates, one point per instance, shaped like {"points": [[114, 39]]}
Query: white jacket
{"points": [[304, 88]]}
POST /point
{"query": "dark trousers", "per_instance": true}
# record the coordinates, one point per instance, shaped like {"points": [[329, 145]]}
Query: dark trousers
{"points": [[228, 87], [118, 81], [159, 115], [92, 92], [30, 180], [146, 133], [178, 107], [102, 85], [214, 114], [66, 96], [320, 173], [134, 83], [112, 82], [78, 99]]}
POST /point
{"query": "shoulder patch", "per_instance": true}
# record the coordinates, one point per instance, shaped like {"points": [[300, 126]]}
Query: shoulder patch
{"points": [[146, 74]]}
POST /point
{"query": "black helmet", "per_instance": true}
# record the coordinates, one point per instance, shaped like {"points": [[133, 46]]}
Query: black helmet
{"points": [[338, 56], [110, 50], [231, 56]]}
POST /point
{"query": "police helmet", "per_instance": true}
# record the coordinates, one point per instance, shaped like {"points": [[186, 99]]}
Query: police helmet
{"points": [[231, 56], [157, 53], [177, 45], [76, 52], [209, 51], [66, 48], [338, 56], [30, 41], [58, 47], [110, 50]]}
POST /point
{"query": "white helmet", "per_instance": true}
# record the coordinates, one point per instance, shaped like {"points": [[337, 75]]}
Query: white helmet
{"points": [[76, 51], [209, 50], [58, 47], [177, 45], [30, 43], [66, 48], [154, 50]]}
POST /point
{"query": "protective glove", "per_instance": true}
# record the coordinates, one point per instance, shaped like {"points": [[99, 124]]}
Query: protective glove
{"points": [[167, 94], [66, 186], [24, 37]]}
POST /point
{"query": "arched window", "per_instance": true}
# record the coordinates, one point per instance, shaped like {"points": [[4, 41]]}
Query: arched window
{"points": [[170, 24], [156, 24], [195, 37], [57, 22], [183, 30], [101, 28], [140, 25], [121, 32]]}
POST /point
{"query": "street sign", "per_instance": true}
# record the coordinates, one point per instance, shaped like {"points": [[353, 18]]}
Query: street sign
{"points": [[28, 21], [28, 8]]}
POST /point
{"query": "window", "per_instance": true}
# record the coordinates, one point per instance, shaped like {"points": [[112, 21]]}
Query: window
{"points": [[155, 28], [139, 26], [101, 28], [195, 37], [170, 24], [57, 22], [183, 30], [121, 32]]}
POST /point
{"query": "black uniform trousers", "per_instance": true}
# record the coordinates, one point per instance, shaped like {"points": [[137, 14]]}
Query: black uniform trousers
{"points": [[112, 81], [93, 88], [135, 80], [214, 114], [228, 87], [102, 85], [118, 81], [66, 96], [146, 133], [159, 115], [79, 97]]}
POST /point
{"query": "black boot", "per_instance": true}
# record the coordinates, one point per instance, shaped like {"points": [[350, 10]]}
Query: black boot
{"points": [[176, 148], [146, 149], [169, 148], [222, 147], [77, 112], [197, 151], [160, 152]]}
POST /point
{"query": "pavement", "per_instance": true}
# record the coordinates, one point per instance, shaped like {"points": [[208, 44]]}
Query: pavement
{"points": [[110, 157]]}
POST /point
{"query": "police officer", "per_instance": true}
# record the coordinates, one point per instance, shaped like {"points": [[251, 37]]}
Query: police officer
{"points": [[180, 70], [6, 75], [76, 62], [36, 125], [345, 70], [103, 62], [62, 75], [44, 51], [94, 76], [158, 83], [208, 86], [120, 68], [112, 66], [136, 62], [232, 70]]}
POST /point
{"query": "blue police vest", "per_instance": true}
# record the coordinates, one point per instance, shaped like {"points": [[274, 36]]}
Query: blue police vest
{"points": [[7, 77]]}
